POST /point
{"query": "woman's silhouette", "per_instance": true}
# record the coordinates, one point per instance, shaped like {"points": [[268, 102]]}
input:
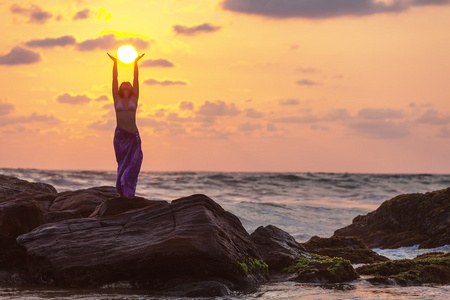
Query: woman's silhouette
{"points": [[127, 142]]}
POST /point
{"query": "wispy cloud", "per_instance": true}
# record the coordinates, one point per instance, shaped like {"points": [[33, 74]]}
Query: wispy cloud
{"points": [[157, 63], [306, 82], [110, 41], [166, 82], [77, 99], [34, 13], [82, 14], [52, 42], [20, 56], [323, 9], [193, 30]]}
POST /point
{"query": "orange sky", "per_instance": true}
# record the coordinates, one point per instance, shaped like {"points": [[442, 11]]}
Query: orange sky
{"points": [[230, 85]]}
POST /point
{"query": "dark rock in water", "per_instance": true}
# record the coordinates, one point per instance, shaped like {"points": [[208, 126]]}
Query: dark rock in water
{"points": [[17, 216], [192, 239], [322, 269], [406, 220], [427, 268], [277, 247], [10, 186], [351, 248]]}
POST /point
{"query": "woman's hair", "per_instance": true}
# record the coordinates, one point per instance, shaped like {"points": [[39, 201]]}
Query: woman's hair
{"points": [[126, 85]]}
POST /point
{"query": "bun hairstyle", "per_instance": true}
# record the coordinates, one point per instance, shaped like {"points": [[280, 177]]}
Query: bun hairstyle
{"points": [[126, 85]]}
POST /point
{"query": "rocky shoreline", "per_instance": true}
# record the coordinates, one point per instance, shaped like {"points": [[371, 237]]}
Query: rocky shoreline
{"points": [[192, 247]]}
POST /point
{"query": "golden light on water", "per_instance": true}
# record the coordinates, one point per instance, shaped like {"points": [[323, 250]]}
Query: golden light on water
{"points": [[127, 54]]}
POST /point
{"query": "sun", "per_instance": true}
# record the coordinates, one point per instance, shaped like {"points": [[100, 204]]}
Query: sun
{"points": [[127, 54]]}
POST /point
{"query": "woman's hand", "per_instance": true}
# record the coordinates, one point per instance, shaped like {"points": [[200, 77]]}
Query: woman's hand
{"points": [[112, 57], [139, 57]]}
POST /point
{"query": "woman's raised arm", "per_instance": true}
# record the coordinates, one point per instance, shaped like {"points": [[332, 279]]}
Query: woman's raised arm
{"points": [[115, 83], [136, 76]]}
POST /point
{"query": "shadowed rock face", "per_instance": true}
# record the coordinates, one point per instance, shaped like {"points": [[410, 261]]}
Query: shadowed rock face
{"points": [[350, 248], [10, 186], [192, 238], [406, 220], [277, 247]]}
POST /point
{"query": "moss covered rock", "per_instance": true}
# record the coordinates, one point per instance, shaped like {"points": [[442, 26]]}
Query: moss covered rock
{"points": [[351, 248], [322, 269], [427, 268]]}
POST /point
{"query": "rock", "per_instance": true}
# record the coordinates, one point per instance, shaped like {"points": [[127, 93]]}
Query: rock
{"points": [[322, 269], [157, 246], [406, 220], [10, 186], [277, 247], [350, 248], [120, 205], [17, 216], [426, 268], [78, 204]]}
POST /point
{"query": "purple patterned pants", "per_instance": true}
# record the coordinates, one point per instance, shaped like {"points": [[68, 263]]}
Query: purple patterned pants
{"points": [[129, 158]]}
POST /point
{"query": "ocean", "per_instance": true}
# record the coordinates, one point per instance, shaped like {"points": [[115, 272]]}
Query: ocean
{"points": [[303, 204]]}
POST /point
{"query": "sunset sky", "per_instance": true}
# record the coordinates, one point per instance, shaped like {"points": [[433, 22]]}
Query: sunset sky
{"points": [[230, 85]]}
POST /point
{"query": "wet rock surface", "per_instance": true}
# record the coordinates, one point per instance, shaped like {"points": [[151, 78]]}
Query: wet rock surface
{"points": [[277, 247], [406, 220], [350, 248], [426, 268], [187, 247]]}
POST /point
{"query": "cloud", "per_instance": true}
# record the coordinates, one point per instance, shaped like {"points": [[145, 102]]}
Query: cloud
{"points": [[6, 108], [32, 118], [82, 14], [19, 56], [271, 127], [186, 105], [254, 114], [381, 129], [444, 133], [431, 117], [108, 125], [338, 115], [297, 119], [110, 41], [307, 70], [322, 9], [34, 13], [379, 114], [152, 81], [306, 82], [218, 109], [287, 102], [157, 63], [193, 30], [248, 127], [68, 98], [52, 42]]}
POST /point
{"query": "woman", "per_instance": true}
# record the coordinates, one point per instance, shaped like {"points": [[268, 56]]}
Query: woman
{"points": [[127, 142]]}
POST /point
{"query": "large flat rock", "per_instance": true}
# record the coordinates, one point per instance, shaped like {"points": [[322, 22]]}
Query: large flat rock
{"points": [[161, 244]]}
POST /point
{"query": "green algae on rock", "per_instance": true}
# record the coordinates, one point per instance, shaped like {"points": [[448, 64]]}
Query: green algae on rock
{"points": [[350, 248], [431, 267], [323, 269]]}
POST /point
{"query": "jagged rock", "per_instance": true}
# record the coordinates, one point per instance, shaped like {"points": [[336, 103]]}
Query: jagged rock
{"points": [[406, 220], [351, 248], [277, 247], [17, 216], [78, 204], [10, 186], [164, 244], [427, 268]]}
